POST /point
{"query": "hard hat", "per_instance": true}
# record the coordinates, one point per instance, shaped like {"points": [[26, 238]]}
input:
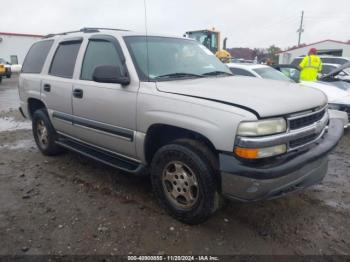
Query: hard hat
{"points": [[313, 51]]}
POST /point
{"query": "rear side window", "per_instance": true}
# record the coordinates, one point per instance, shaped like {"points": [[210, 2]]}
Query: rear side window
{"points": [[64, 60], [99, 52], [35, 59], [241, 72]]}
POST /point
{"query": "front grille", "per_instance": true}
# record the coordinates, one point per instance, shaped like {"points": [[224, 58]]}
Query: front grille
{"points": [[302, 141], [304, 121]]}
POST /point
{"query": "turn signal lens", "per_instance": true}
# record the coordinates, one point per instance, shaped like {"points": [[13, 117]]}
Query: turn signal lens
{"points": [[256, 153], [249, 153]]}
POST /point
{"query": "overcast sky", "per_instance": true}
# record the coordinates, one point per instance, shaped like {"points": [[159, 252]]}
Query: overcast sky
{"points": [[246, 23]]}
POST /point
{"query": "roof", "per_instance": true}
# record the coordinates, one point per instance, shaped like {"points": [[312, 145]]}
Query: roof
{"points": [[105, 31], [19, 34], [327, 40]]}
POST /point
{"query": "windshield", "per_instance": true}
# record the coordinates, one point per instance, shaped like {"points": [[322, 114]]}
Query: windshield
{"points": [[172, 57], [270, 73]]}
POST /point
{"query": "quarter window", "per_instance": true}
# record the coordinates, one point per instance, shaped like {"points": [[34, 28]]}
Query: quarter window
{"points": [[99, 52], [64, 60], [35, 59]]}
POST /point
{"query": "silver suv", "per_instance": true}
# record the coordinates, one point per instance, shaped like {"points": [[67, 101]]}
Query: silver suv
{"points": [[167, 107]]}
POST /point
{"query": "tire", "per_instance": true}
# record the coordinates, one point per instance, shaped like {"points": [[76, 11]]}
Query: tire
{"points": [[8, 76], [194, 202], [44, 133]]}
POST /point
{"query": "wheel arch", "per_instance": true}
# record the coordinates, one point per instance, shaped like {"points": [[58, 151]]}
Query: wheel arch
{"points": [[33, 105], [159, 135]]}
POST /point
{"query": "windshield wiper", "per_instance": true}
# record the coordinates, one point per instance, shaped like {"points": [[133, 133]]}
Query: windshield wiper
{"points": [[216, 73], [177, 75]]}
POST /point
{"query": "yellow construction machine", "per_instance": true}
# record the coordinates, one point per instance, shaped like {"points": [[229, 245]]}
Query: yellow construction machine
{"points": [[210, 38]]}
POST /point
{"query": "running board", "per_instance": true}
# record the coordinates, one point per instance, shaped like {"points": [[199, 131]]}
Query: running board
{"points": [[102, 156]]}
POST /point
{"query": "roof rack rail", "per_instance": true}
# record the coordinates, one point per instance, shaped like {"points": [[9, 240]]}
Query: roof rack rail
{"points": [[102, 28], [63, 33], [85, 30]]}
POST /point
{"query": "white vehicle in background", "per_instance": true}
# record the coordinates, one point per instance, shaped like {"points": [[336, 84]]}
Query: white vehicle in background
{"points": [[342, 75], [326, 59], [16, 68], [337, 99]]}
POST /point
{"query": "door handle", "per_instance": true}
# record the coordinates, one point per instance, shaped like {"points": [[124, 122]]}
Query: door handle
{"points": [[47, 88], [78, 93]]}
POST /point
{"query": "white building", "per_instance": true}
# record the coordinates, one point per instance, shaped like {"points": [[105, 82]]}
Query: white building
{"points": [[326, 47], [14, 47]]}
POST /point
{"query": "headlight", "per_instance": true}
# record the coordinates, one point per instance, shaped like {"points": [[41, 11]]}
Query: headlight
{"points": [[262, 127], [256, 153]]}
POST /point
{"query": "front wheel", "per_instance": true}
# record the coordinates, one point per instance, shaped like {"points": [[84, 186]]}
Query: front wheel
{"points": [[44, 133], [184, 180]]}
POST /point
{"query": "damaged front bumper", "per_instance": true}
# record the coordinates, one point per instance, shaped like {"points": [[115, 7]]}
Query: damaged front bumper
{"points": [[249, 183]]}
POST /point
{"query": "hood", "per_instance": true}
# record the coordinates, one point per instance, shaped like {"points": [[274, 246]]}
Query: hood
{"points": [[336, 71], [332, 92], [265, 97]]}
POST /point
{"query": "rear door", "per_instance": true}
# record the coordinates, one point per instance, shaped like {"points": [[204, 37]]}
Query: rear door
{"points": [[57, 85], [104, 113]]}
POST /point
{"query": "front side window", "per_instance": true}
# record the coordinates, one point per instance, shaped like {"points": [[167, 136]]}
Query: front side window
{"points": [[64, 60], [241, 72], [273, 74], [35, 59], [156, 58], [99, 52]]}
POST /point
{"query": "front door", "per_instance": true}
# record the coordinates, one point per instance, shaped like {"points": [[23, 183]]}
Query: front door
{"points": [[104, 113]]}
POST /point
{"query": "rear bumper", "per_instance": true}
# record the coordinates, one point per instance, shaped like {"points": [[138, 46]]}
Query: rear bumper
{"points": [[250, 183]]}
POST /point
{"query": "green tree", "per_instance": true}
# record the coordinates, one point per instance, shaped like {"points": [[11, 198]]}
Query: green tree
{"points": [[273, 53]]}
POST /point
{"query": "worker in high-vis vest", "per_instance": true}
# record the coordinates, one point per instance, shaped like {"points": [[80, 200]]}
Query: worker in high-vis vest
{"points": [[310, 66]]}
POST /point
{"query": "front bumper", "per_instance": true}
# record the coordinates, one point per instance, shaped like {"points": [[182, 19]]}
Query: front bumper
{"points": [[343, 115], [250, 183]]}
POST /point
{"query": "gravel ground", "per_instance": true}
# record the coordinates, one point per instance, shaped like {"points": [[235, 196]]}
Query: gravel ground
{"points": [[72, 205]]}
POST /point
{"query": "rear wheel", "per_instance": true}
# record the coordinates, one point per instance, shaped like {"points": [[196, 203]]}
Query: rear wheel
{"points": [[44, 133], [184, 180]]}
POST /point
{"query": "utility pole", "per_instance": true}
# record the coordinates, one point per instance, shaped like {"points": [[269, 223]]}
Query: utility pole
{"points": [[301, 29]]}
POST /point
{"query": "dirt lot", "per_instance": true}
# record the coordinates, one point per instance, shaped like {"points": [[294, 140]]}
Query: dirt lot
{"points": [[68, 205]]}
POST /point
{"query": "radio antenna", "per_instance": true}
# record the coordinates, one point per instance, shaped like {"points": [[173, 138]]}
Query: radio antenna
{"points": [[146, 29]]}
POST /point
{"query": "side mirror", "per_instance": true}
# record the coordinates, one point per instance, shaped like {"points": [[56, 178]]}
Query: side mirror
{"points": [[342, 73], [109, 74]]}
